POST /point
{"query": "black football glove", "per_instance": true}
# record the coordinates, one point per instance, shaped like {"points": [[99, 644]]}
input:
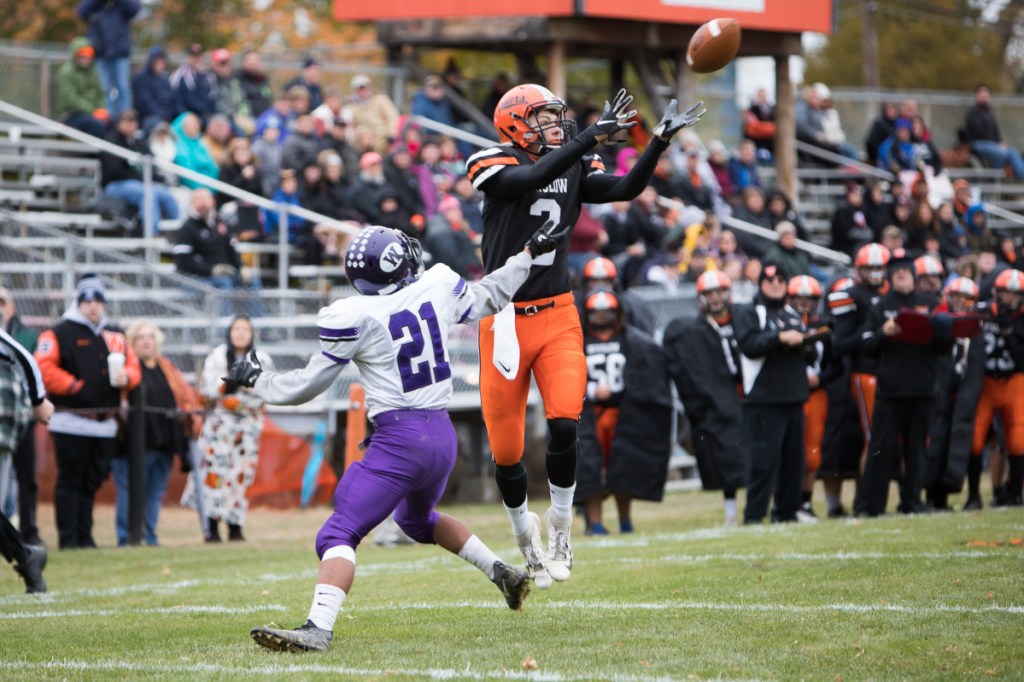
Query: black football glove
{"points": [[616, 115], [547, 239], [672, 122], [244, 372]]}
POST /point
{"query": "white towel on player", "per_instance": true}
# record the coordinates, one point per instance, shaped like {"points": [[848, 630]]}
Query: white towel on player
{"points": [[506, 344]]}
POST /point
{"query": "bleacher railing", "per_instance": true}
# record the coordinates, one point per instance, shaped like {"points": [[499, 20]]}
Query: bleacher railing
{"points": [[150, 163]]}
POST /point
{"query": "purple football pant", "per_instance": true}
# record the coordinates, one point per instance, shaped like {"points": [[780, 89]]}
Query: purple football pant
{"points": [[405, 471]]}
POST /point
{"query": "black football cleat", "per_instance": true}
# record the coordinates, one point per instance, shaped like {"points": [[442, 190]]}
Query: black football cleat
{"points": [[31, 569], [300, 640], [513, 583]]}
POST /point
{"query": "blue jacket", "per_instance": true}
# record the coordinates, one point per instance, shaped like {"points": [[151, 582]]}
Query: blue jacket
{"points": [[193, 92], [297, 227], [435, 110], [109, 26], [152, 92]]}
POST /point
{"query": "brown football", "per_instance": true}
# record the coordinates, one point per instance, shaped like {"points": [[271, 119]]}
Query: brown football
{"points": [[713, 45]]}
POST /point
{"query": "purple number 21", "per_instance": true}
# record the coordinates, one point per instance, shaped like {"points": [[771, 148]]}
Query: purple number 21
{"points": [[417, 376]]}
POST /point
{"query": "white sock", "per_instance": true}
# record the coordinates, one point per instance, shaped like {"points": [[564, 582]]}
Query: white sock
{"points": [[327, 600], [561, 502], [480, 555], [520, 517], [730, 508]]}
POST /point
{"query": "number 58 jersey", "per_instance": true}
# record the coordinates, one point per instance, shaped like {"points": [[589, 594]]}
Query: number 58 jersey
{"points": [[399, 341]]}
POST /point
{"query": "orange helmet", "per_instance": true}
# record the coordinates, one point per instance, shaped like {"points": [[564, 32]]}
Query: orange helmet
{"points": [[964, 286], [928, 265], [802, 285], [872, 256], [515, 117], [1010, 280], [842, 284], [600, 268], [604, 311], [712, 280], [601, 301]]}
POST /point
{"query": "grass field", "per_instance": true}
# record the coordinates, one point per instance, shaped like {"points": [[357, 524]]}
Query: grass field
{"points": [[926, 597]]}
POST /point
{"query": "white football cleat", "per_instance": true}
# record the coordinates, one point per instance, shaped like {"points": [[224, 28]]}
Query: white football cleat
{"points": [[559, 550], [533, 552]]}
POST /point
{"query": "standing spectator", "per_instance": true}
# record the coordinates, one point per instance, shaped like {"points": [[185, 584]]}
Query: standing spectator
{"points": [[375, 110], [881, 129], [193, 89], [309, 78], [230, 438], [431, 102], [759, 126], [774, 357], [906, 387], [627, 416], [152, 92], [231, 99], [22, 398], [189, 150], [111, 36], [165, 391], [25, 451], [255, 84], [122, 180], [785, 253], [203, 247], [982, 132], [79, 100], [704, 363], [80, 374]]}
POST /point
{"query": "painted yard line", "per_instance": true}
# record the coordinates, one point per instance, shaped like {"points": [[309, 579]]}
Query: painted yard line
{"points": [[220, 610], [277, 669]]}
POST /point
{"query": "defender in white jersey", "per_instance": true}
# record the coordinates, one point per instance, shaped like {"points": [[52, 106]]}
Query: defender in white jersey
{"points": [[396, 334]]}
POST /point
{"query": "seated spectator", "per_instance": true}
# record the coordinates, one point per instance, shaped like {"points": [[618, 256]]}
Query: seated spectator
{"points": [[877, 209], [410, 137], [897, 152], [300, 149], [784, 252], [309, 78], [500, 84], [452, 159], [79, 100], [759, 126], [267, 153], [203, 246], [752, 210], [369, 188], [403, 180], [433, 180], [660, 220], [471, 202], [976, 227], [121, 179], [301, 102], [752, 271], [336, 188], [374, 110], [231, 98], [743, 168], [329, 111], [189, 151], [892, 239], [952, 237], [151, 88], [901, 211], [810, 126], [780, 209], [254, 83], [393, 214], [192, 87], [240, 169], [297, 228], [733, 269], [830, 123], [336, 140], [450, 240], [983, 135], [163, 145], [924, 150], [920, 227], [696, 265], [279, 115], [691, 186], [881, 130], [908, 109], [850, 229], [727, 248], [719, 161], [218, 136]]}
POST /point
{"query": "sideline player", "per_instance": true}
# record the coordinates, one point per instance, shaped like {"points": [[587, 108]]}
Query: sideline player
{"points": [[396, 334], [542, 171]]}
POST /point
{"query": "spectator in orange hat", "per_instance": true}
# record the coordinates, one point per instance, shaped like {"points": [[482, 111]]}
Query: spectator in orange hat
{"points": [[79, 92]]}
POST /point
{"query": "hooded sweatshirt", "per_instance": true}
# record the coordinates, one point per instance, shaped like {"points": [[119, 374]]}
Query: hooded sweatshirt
{"points": [[190, 153], [151, 92], [78, 90]]}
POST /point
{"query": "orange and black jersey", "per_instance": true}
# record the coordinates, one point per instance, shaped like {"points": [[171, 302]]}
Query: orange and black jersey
{"points": [[1003, 337], [606, 364], [522, 192]]}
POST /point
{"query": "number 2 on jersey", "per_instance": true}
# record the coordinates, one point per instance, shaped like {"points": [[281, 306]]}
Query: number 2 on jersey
{"points": [[553, 211], [421, 374]]}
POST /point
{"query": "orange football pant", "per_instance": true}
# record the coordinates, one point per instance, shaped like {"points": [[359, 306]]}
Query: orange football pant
{"points": [[607, 419], [551, 346], [1006, 396], [815, 413], [863, 388]]}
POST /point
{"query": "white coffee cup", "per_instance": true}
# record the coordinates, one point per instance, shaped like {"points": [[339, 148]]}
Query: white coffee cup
{"points": [[115, 367]]}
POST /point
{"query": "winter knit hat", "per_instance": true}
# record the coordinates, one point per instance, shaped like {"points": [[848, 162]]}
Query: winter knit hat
{"points": [[90, 288]]}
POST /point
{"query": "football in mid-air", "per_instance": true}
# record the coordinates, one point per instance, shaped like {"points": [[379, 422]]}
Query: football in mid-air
{"points": [[713, 45]]}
